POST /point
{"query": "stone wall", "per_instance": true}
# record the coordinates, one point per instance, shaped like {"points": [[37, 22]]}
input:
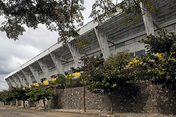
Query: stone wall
{"points": [[148, 98]]}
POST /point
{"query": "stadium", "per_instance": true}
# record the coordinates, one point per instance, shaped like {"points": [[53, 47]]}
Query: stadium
{"points": [[109, 37]]}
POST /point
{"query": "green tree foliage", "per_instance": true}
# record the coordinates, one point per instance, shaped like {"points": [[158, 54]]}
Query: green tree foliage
{"points": [[1, 96], [5, 96], [80, 42], [106, 8], [41, 92], [63, 16], [105, 76], [102, 9], [19, 93], [56, 15], [133, 7], [61, 80], [159, 64]]}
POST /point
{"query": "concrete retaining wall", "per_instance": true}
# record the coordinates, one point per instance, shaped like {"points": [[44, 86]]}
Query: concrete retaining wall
{"points": [[149, 98]]}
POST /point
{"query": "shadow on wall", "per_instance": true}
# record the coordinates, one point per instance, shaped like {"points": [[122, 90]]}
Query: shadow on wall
{"points": [[166, 101], [145, 97], [149, 98], [54, 103], [131, 100]]}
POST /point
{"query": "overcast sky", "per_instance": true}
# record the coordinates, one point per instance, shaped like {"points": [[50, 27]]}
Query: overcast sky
{"points": [[15, 53]]}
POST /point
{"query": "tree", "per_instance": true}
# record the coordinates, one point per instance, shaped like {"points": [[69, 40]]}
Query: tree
{"points": [[105, 76], [5, 96], [159, 64], [61, 80], [133, 7], [19, 93], [63, 16], [14, 93], [41, 92], [1, 96], [56, 15]]}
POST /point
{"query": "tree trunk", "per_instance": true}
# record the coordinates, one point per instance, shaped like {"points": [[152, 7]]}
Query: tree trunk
{"points": [[111, 103], [64, 86], [17, 103], [44, 104], [23, 103]]}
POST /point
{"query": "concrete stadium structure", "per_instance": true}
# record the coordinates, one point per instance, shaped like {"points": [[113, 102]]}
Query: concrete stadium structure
{"points": [[110, 37]]}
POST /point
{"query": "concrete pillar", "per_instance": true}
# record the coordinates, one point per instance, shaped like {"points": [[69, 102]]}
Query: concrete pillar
{"points": [[28, 78], [75, 54], [57, 63], [102, 40], [21, 79], [18, 81], [12, 82], [45, 70], [8, 81], [17, 84], [147, 19], [35, 74]]}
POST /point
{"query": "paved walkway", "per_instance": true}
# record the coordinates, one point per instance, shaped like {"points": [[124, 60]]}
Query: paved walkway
{"points": [[101, 113], [16, 112], [105, 113]]}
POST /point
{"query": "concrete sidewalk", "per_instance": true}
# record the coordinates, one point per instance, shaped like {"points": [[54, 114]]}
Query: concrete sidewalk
{"points": [[106, 113], [99, 112]]}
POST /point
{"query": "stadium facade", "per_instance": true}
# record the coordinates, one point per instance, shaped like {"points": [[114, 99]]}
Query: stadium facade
{"points": [[109, 37]]}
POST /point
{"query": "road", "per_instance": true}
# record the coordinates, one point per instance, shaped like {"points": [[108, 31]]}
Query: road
{"points": [[13, 112]]}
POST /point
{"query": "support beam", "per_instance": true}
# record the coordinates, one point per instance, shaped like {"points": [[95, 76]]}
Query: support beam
{"points": [[17, 84], [57, 63], [28, 78], [21, 79], [35, 74], [8, 81], [76, 55], [45, 70], [147, 19], [61, 59], [156, 25], [102, 40], [13, 81], [111, 42], [18, 80]]}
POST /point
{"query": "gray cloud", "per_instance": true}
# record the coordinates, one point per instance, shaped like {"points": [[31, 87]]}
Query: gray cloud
{"points": [[15, 53], [3, 84]]}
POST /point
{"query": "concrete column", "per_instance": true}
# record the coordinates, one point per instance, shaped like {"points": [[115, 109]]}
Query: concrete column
{"points": [[18, 80], [102, 40], [22, 80], [76, 55], [45, 70], [8, 81], [12, 82], [57, 63], [148, 21], [35, 74], [28, 78]]}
